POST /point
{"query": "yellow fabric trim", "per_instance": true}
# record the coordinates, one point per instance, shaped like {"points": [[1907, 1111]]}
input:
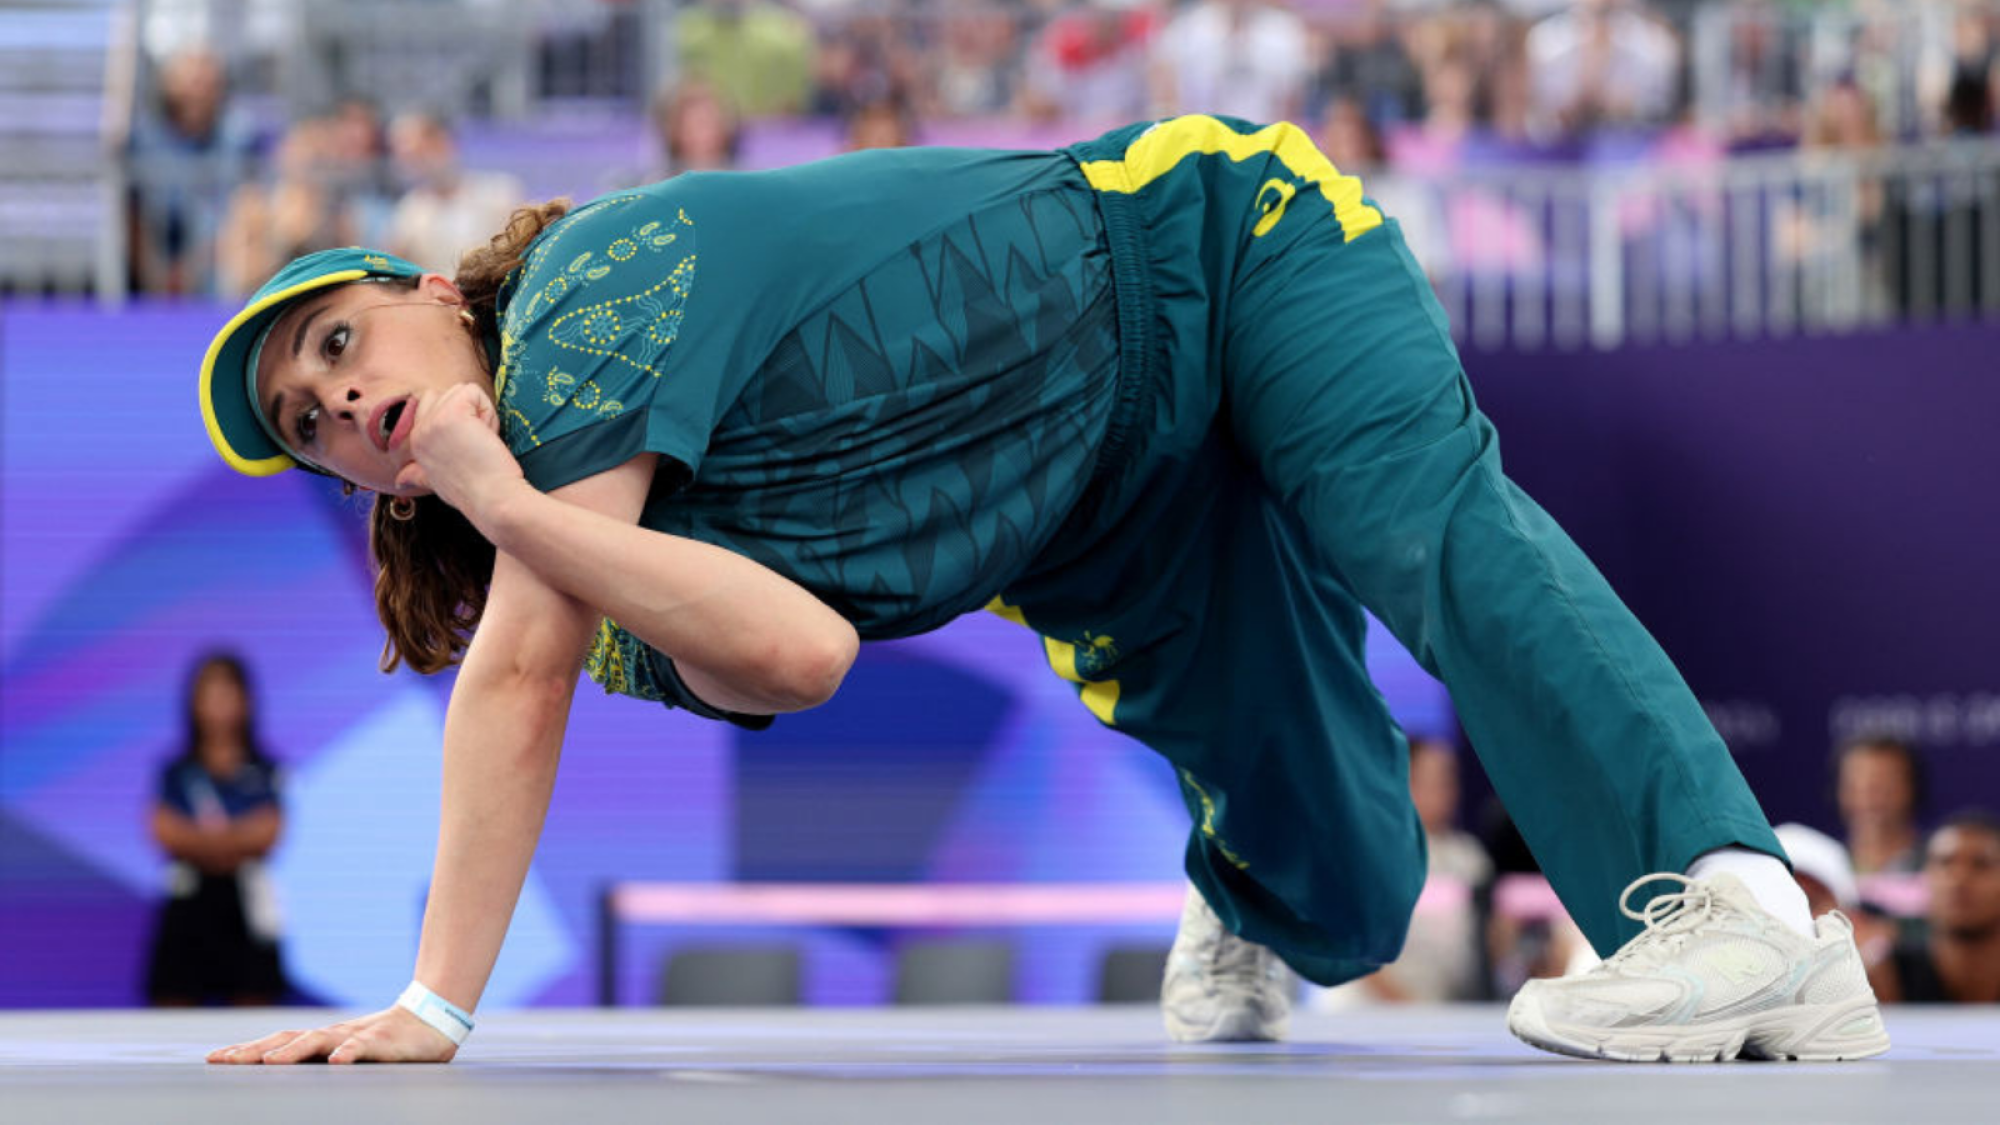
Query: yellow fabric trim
{"points": [[1100, 696], [1163, 147], [269, 465], [500, 375], [1208, 821], [1001, 609]]}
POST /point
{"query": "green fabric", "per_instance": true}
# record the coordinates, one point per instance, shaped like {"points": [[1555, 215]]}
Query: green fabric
{"points": [[1308, 444], [1187, 431], [886, 376]]}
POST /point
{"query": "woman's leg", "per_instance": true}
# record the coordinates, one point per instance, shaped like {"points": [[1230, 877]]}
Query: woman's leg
{"points": [[1345, 392], [1243, 666]]}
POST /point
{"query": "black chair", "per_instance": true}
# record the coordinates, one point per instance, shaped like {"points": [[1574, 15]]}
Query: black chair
{"points": [[731, 976], [1131, 974], [955, 972]]}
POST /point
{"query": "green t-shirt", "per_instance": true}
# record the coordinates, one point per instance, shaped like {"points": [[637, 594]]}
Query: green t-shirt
{"points": [[886, 376]]}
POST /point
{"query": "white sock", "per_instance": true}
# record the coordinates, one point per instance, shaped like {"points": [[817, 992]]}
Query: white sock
{"points": [[1769, 882]]}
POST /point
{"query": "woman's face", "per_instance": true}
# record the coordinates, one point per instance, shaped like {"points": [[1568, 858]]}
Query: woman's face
{"points": [[339, 374], [219, 705], [1875, 787]]}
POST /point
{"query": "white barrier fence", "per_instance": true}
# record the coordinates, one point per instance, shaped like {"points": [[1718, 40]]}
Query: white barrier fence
{"points": [[1744, 248]]}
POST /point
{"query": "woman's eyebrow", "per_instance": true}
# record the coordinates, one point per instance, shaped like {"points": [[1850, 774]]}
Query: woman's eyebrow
{"points": [[299, 333]]}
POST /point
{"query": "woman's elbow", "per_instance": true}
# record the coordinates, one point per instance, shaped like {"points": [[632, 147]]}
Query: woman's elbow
{"points": [[811, 669]]}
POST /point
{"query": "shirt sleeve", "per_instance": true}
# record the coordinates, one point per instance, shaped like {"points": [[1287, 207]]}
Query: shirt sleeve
{"points": [[590, 373], [173, 794]]}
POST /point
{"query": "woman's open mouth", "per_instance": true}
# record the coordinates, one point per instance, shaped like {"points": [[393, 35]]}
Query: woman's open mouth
{"points": [[388, 423]]}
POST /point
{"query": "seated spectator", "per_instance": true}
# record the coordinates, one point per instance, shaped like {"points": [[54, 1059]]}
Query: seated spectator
{"points": [[1826, 875], [297, 213], [1245, 58], [446, 210], [1601, 63], [1441, 958], [757, 54], [1959, 961], [978, 60], [363, 175], [1088, 67], [697, 130], [187, 150], [884, 124], [1878, 783], [1370, 65], [1759, 98], [1350, 141], [217, 817]]}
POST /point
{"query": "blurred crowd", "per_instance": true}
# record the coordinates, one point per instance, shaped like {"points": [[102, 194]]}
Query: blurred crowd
{"points": [[1394, 89], [1925, 901]]}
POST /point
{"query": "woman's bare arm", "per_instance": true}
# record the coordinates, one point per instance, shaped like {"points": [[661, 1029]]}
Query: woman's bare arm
{"points": [[744, 637], [502, 742], [183, 839]]}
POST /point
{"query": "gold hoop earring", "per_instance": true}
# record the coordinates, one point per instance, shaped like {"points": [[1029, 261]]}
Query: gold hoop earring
{"points": [[470, 320], [402, 509]]}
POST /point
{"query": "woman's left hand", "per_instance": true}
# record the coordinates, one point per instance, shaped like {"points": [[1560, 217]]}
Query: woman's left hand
{"points": [[457, 449]]}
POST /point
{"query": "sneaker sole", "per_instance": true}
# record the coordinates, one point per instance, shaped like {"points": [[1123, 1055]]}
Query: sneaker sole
{"points": [[1228, 1027], [1799, 1033]]}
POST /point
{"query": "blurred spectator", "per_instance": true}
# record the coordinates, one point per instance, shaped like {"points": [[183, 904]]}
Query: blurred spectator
{"points": [[358, 169], [1441, 958], [1349, 139], [1244, 58], [297, 213], [1959, 961], [978, 60], [188, 148], [1435, 146], [867, 57], [217, 817], [1482, 46], [1434, 790], [698, 130], [883, 124], [445, 210], [1823, 870], [758, 54], [1834, 239], [1765, 87], [1960, 91], [1821, 867], [1879, 785], [1088, 67], [1601, 63], [1371, 66]]}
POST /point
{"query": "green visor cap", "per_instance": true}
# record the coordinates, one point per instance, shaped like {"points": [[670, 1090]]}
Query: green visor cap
{"points": [[235, 421]]}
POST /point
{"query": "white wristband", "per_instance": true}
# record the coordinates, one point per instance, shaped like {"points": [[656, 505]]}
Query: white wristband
{"points": [[450, 1020]]}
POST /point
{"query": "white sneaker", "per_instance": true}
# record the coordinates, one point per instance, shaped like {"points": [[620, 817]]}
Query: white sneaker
{"points": [[1220, 988], [1713, 977]]}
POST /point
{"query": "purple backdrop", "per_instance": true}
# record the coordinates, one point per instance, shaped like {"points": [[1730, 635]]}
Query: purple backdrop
{"points": [[1811, 527]]}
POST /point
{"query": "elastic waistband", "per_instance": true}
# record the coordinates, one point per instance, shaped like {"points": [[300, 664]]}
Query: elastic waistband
{"points": [[1125, 233]]}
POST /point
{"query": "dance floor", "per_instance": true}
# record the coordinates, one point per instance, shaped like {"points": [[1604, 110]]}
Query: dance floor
{"points": [[965, 1066]]}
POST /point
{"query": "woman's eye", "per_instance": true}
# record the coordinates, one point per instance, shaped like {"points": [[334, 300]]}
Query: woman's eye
{"points": [[307, 425], [336, 342]]}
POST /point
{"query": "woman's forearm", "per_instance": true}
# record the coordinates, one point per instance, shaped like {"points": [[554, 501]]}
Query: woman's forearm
{"points": [[502, 742], [765, 643]]}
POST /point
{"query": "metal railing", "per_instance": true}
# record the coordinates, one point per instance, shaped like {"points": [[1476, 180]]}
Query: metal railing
{"points": [[1741, 248]]}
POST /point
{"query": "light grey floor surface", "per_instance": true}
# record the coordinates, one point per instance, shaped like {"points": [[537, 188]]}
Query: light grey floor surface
{"points": [[1016, 1066]]}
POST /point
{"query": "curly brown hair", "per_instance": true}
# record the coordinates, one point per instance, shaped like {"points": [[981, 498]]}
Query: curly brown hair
{"points": [[433, 569]]}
